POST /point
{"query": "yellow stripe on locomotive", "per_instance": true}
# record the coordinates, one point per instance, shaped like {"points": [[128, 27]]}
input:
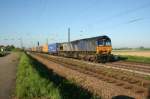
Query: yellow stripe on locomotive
{"points": [[103, 49]]}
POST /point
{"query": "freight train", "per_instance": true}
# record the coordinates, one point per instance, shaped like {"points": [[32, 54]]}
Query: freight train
{"points": [[95, 49]]}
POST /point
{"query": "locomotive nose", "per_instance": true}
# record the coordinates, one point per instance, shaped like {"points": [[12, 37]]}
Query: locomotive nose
{"points": [[103, 49]]}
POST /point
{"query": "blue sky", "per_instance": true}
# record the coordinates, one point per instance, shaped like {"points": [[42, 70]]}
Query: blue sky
{"points": [[127, 22]]}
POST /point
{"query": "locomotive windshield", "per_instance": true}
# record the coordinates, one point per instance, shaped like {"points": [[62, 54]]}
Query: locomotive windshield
{"points": [[104, 42], [108, 43]]}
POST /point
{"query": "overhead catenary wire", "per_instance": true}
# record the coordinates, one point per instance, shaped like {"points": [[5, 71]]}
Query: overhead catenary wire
{"points": [[121, 14]]}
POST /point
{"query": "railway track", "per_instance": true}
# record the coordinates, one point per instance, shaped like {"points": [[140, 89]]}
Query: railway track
{"points": [[133, 66], [136, 85]]}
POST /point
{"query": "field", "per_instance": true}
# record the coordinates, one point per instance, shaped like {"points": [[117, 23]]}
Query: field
{"points": [[143, 53], [35, 81], [142, 56]]}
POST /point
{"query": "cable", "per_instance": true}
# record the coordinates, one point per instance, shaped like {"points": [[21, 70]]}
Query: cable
{"points": [[122, 14]]}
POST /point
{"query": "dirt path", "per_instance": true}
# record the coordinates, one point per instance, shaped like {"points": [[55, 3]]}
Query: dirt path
{"points": [[7, 74]]}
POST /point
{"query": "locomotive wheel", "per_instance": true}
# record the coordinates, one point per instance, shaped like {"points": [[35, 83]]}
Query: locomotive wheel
{"points": [[105, 58], [98, 59], [101, 58], [92, 59]]}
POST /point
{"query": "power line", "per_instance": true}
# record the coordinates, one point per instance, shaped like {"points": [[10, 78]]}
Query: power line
{"points": [[134, 20], [122, 14]]}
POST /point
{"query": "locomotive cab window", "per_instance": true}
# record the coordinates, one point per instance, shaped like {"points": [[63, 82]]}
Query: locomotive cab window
{"points": [[100, 43], [108, 43], [104, 42]]}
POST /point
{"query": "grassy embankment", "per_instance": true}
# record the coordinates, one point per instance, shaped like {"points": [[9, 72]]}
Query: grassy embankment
{"points": [[130, 58], [135, 55], [35, 81]]}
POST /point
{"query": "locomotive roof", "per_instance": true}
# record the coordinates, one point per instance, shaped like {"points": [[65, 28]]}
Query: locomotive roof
{"points": [[97, 37]]}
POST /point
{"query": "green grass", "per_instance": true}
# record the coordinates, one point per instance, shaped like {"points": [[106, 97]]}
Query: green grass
{"points": [[30, 85], [17, 50], [35, 81], [135, 58]]}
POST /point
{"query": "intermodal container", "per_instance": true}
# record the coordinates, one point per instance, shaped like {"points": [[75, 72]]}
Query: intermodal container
{"points": [[33, 49], [45, 48], [53, 48]]}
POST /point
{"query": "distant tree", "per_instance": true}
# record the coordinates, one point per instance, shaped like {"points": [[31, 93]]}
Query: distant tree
{"points": [[9, 47], [141, 47]]}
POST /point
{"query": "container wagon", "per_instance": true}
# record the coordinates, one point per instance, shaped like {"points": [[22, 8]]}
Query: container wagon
{"points": [[45, 48], [53, 48], [39, 49]]}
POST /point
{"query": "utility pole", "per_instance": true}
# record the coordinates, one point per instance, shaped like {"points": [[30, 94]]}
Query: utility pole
{"points": [[38, 43], [47, 41], [69, 38], [21, 43], [68, 35]]}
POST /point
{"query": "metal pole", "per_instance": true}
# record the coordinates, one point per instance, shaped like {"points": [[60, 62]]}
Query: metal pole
{"points": [[69, 38], [21, 43], [68, 35], [47, 41], [38, 43]]}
